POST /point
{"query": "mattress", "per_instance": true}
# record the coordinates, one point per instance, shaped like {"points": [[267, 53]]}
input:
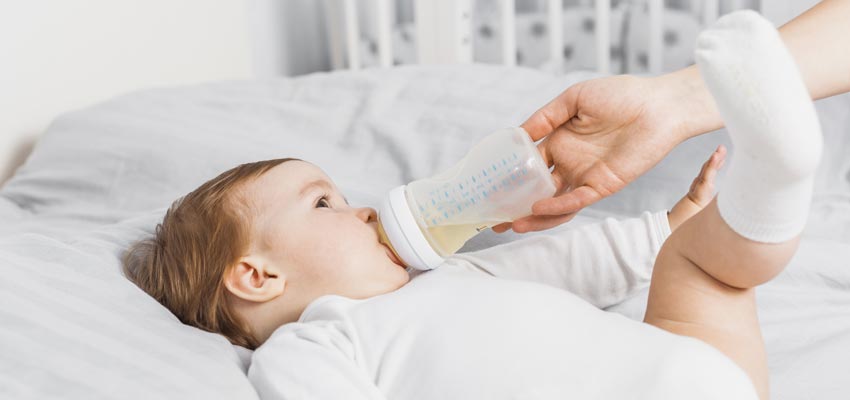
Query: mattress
{"points": [[72, 326]]}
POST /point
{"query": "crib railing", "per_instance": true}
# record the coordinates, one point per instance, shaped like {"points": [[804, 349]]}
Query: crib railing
{"points": [[444, 32]]}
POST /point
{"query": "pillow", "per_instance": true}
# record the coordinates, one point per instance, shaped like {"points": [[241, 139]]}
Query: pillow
{"points": [[74, 327]]}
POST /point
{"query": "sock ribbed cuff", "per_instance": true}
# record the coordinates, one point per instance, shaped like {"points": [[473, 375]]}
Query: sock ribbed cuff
{"points": [[764, 229]]}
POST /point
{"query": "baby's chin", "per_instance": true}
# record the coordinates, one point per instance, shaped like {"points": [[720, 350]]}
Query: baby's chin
{"points": [[404, 278], [389, 279], [400, 278]]}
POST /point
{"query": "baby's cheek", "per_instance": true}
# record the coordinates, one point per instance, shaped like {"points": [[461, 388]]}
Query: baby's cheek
{"points": [[349, 253]]}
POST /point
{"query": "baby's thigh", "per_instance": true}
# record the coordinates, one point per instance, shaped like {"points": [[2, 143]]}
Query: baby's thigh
{"points": [[685, 300]]}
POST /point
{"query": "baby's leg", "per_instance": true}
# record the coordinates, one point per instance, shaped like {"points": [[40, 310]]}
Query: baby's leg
{"points": [[705, 274]]}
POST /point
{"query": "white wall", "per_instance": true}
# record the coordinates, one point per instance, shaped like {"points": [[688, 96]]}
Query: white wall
{"points": [[58, 55]]}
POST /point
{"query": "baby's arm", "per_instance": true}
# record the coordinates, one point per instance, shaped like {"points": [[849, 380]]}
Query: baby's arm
{"points": [[603, 263], [309, 361]]}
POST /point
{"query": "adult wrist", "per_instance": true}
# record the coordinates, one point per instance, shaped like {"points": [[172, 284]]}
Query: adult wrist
{"points": [[691, 106]]}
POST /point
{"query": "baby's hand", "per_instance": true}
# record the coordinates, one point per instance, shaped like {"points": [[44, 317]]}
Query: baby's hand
{"points": [[701, 192]]}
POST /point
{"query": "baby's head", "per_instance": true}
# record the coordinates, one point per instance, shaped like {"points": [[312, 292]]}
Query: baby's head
{"points": [[247, 251]]}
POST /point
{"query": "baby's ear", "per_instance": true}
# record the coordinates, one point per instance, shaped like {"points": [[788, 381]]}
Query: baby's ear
{"points": [[252, 278]]}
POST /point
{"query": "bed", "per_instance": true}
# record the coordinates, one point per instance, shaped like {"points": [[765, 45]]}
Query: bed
{"points": [[71, 326]]}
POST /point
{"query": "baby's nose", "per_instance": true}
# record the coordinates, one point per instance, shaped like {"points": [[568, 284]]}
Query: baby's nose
{"points": [[367, 214]]}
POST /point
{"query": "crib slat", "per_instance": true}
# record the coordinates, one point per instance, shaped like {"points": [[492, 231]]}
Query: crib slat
{"points": [[352, 34], [463, 30], [425, 16], [384, 21], [508, 32], [556, 31], [443, 31], [656, 36], [603, 36], [336, 34], [710, 10], [734, 5]]}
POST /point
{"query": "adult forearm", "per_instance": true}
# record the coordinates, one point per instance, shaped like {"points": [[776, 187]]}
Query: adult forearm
{"points": [[818, 41], [815, 40]]}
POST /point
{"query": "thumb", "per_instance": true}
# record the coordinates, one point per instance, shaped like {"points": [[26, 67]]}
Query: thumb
{"points": [[554, 114], [543, 149]]}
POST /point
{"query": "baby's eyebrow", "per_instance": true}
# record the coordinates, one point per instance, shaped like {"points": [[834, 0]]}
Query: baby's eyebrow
{"points": [[317, 183], [314, 183]]}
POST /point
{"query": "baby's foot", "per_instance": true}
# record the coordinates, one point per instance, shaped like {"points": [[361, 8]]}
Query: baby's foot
{"points": [[701, 191], [771, 121]]}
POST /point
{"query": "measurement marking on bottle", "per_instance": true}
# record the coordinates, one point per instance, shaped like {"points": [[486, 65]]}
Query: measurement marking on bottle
{"points": [[452, 198]]}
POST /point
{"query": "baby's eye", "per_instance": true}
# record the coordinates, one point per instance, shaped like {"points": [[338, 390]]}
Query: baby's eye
{"points": [[323, 202]]}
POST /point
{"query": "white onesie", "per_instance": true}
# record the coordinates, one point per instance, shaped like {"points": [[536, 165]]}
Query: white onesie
{"points": [[515, 321]]}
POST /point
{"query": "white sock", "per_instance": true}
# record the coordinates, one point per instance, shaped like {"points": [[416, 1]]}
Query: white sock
{"points": [[772, 122]]}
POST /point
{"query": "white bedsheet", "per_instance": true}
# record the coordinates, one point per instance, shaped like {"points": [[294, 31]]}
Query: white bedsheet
{"points": [[72, 326]]}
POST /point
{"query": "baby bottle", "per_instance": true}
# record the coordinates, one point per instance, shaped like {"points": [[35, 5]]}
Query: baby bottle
{"points": [[497, 181]]}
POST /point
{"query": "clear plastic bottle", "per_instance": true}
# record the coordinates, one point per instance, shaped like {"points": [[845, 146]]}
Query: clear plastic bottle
{"points": [[497, 181]]}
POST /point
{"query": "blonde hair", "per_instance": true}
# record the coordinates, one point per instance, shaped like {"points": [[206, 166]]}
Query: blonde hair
{"points": [[202, 235]]}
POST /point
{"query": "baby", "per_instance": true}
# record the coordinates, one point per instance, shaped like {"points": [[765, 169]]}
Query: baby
{"points": [[271, 255], [249, 251]]}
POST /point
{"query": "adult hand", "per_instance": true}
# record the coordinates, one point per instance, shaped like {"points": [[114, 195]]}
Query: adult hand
{"points": [[603, 133]]}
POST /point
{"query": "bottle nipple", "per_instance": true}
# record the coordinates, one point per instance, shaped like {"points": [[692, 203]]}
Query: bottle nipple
{"points": [[382, 237]]}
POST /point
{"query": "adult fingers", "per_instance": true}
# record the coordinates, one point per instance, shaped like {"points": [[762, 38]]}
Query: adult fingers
{"points": [[503, 227], [534, 223], [554, 114], [568, 203]]}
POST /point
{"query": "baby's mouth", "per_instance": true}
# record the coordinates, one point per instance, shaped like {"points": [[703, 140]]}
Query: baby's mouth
{"points": [[382, 239], [391, 254]]}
